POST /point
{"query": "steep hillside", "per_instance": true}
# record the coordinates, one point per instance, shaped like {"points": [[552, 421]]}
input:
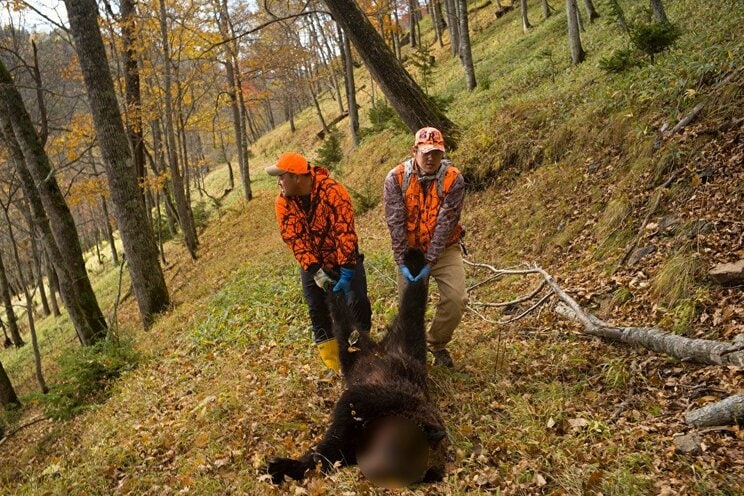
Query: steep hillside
{"points": [[568, 167]]}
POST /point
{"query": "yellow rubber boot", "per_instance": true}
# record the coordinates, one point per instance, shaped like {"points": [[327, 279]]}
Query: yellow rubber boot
{"points": [[329, 354]]}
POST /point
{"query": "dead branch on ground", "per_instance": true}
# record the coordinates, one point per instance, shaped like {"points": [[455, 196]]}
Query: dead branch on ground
{"points": [[704, 351]]}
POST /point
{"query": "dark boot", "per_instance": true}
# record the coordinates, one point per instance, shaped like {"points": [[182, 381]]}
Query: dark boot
{"points": [[443, 358]]}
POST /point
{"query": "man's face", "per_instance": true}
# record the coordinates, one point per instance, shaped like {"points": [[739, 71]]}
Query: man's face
{"points": [[429, 162], [289, 184]]}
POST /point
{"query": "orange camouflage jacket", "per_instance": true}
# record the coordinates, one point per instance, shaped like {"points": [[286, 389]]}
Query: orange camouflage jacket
{"points": [[319, 230]]}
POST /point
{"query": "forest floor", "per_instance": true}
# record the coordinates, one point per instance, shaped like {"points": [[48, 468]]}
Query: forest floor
{"points": [[229, 377]]}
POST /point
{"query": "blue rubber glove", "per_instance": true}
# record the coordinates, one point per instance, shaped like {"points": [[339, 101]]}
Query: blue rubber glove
{"points": [[344, 282], [406, 273], [423, 274]]}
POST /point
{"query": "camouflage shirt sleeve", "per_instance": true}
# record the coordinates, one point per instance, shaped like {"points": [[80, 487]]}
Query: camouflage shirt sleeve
{"points": [[447, 219], [395, 215], [294, 233], [342, 224]]}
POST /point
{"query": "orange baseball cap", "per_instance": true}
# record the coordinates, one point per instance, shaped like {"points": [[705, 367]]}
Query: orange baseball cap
{"points": [[428, 139], [291, 162]]}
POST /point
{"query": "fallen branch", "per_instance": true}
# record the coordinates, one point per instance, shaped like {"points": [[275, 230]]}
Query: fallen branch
{"points": [[29, 423], [694, 350], [724, 412], [686, 120]]}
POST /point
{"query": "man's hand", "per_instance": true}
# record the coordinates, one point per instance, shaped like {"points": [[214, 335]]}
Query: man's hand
{"points": [[407, 274], [423, 274], [344, 282], [323, 280]]}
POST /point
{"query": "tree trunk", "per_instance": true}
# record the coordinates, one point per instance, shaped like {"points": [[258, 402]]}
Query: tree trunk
{"points": [[133, 94], [10, 316], [591, 12], [245, 172], [726, 412], [413, 106], [454, 27], [8, 396], [158, 167], [134, 225], [574, 38], [436, 19], [525, 21], [37, 273], [546, 9], [659, 13], [351, 102], [412, 22], [29, 305], [179, 194], [466, 55], [53, 285], [53, 219], [110, 230]]}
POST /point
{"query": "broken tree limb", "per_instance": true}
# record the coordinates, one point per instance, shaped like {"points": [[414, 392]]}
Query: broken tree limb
{"points": [[686, 119], [694, 350], [724, 412]]}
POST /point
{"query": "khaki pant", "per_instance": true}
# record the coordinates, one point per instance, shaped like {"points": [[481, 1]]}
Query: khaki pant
{"points": [[449, 273]]}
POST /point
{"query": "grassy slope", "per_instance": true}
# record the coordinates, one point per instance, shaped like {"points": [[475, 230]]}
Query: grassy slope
{"points": [[532, 408]]}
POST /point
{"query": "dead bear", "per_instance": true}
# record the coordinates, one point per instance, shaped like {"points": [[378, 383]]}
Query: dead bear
{"points": [[384, 419]]}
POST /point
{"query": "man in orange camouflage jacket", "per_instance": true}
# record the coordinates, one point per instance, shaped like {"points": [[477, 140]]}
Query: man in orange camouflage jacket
{"points": [[423, 201], [316, 221]]}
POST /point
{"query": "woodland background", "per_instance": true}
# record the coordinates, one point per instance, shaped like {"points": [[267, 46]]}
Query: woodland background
{"points": [[600, 141]]}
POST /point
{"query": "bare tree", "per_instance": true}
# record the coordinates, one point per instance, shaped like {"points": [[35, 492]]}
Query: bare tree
{"points": [[10, 315], [466, 54], [591, 12], [574, 38], [29, 300], [185, 218], [346, 56], [413, 106], [525, 21], [454, 26], [136, 232], [51, 214]]}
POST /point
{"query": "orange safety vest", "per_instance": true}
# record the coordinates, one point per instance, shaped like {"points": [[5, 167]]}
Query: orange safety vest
{"points": [[422, 207]]}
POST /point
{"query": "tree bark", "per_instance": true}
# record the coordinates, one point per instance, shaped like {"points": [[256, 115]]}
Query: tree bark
{"points": [[37, 273], [413, 106], [136, 232], [351, 102], [724, 412], [133, 94], [574, 38], [51, 213], [659, 13], [53, 285], [10, 316], [454, 27], [29, 306], [525, 21], [179, 194], [466, 54], [8, 396], [105, 215], [546, 9], [412, 22], [591, 12], [436, 19]]}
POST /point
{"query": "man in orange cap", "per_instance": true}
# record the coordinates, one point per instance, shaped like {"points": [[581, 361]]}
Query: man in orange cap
{"points": [[316, 221], [423, 199]]}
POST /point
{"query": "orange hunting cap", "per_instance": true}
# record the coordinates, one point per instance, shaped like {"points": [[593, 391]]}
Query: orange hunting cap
{"points": [[428, 139], [291, 162]]}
